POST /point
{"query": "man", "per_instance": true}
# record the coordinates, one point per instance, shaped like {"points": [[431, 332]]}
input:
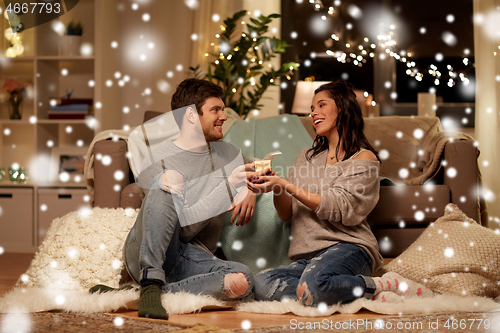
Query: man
{"points": [[191, 183]]}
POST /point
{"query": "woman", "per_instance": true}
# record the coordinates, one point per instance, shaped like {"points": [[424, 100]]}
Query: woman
{"points": [[327, 195]]}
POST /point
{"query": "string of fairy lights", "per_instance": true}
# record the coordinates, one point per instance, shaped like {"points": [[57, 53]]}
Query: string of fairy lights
{"points": [[357, 54]]}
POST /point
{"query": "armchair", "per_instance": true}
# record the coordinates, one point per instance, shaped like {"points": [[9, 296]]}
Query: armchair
{"points": [[427, 180]]}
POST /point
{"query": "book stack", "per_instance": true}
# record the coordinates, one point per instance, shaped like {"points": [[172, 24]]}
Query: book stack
{"points": [[70, 108]]}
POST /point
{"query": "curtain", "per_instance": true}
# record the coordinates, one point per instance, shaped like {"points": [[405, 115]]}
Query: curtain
{"points": [[487, 121], [206, 28]]}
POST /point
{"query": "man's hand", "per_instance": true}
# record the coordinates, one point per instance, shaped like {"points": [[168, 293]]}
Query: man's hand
{"points": [[244, 205], [238, 176], [245, 172], [172, 181]]}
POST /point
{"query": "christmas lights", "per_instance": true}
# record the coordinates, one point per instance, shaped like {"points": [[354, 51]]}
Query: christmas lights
{"points": [[386, 42]]}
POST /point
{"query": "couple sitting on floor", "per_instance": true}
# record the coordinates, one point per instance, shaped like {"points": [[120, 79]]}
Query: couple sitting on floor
{"points": [[192, 181]]}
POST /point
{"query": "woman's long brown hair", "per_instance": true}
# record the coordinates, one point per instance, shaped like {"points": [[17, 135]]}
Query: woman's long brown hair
{"points": [[349, 122]]}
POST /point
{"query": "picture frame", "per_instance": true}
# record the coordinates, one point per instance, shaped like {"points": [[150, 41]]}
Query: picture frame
{"points": [[67, 159]]}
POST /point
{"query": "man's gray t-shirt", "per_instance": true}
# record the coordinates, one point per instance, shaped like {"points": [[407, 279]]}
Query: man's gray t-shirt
{"points": [[206, 193]]}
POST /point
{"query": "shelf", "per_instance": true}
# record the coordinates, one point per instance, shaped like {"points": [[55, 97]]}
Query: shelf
{"points": [[6, 183], [38, 143], [15, 122], [30, 58], [62, 121], [63, 58], [63, 184]]}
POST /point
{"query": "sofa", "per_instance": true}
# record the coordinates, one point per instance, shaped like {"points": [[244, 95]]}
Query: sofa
{"points": [[423, 168]]}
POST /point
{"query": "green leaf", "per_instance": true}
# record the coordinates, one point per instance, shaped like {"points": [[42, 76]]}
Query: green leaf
{"points": [[261, 40], [254, 21]]}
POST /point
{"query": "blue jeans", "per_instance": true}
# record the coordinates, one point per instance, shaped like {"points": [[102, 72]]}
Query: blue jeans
{"points": [[153, 250], [338, 274]]}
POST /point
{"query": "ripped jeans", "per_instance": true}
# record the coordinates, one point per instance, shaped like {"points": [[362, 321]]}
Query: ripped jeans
{"points": [[153, 250], [340, 273]]}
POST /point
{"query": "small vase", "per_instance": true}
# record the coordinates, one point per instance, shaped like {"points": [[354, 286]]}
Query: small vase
{"points": [[15, 106]]}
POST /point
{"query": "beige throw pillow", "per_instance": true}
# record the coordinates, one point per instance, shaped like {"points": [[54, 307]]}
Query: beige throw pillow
{"points": [[454, 255]]}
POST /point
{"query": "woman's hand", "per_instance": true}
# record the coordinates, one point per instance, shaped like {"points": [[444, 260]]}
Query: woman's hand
{"points": [[267, 183], [272, 182]]}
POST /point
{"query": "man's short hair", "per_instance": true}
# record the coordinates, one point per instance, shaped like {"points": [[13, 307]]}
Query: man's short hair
{"points": [[193, 91]]}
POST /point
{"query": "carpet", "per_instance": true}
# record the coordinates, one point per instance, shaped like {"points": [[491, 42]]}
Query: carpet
{"points": [[69, 322], [97, 323]]}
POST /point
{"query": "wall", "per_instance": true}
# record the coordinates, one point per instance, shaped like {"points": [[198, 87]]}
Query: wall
{"points": [[271, 98], [487, 16], [151, 49]]}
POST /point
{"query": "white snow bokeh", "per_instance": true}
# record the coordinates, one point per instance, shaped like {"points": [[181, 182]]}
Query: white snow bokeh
{"points": [[449, 252], [319, 27], [16, 322], [237, 245], [118, 321], [261, 262], [193, 4], [449, 38], [357, 291], [354, 11], [419, 215], [383, 154], [246, 324], [385, 245], [490, 23]]}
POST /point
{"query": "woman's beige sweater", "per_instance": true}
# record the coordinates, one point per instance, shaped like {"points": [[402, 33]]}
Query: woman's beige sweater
{"points": [[349, 191]]}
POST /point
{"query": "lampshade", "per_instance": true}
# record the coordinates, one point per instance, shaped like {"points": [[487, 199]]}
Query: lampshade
{"points": [[304, 93], [426, 104]]}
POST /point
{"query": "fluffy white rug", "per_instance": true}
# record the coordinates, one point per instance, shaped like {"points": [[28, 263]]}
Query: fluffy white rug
{"points": [[420, 305], [36, 299]]}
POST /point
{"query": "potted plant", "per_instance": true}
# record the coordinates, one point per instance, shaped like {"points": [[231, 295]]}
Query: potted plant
{"points": [[69, 44], [241, 65]]}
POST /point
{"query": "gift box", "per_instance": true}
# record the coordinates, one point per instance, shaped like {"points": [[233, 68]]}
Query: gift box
{"points": [[265, 163]]}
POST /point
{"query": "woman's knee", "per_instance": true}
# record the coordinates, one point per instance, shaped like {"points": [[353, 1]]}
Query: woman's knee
{"points": [[305, 295]]}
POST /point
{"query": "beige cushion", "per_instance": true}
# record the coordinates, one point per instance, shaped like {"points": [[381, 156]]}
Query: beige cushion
{"points": [[454, 255]]}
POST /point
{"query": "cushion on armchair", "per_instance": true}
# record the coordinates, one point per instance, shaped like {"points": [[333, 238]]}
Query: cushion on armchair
{"points": [[264, 241]]}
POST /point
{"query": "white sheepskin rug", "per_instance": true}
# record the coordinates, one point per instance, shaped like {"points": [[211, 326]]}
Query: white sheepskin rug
{"points": [[397, 306], [36, 299], [82, 249]]}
